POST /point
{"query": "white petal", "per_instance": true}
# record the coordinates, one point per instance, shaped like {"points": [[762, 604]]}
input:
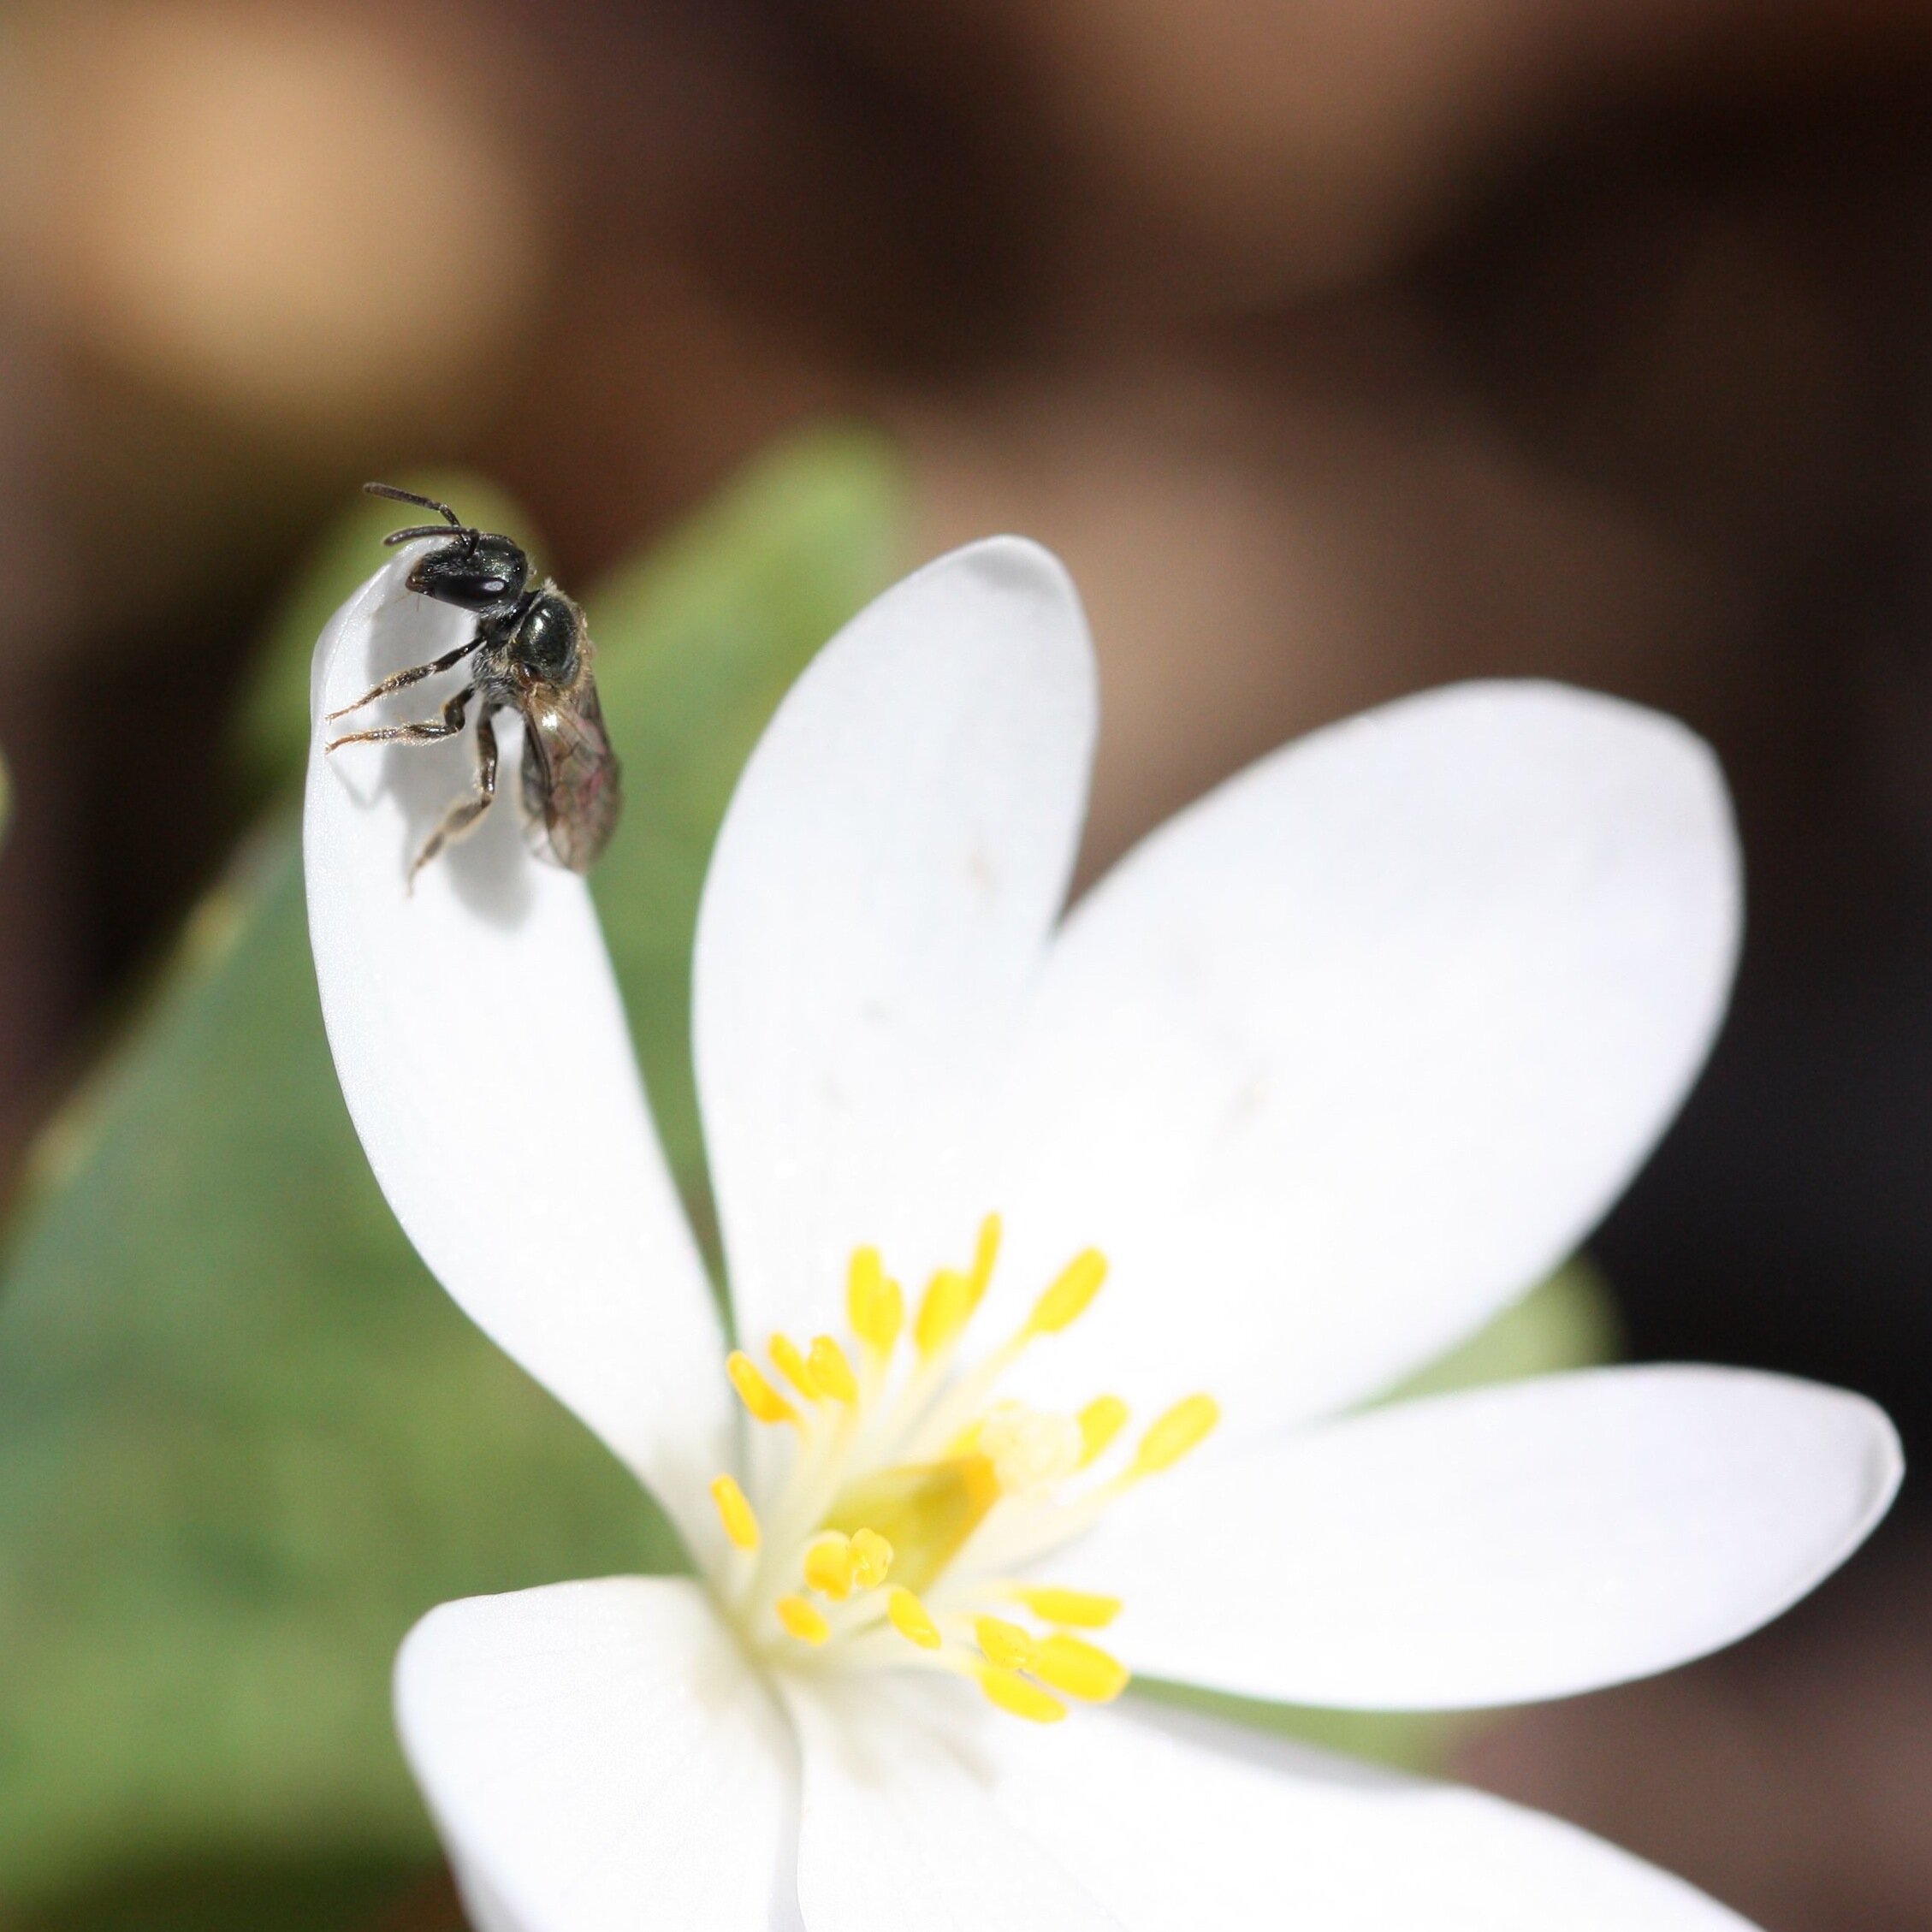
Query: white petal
{"points": [[881, 891], [1180, 1823], [483, 1054], [1349, 1055], [600, 1759], [900, 1829], [1498, 1545]]}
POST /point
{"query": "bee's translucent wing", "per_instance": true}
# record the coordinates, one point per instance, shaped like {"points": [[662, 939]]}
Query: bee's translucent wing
{"points": [[572, 789]]}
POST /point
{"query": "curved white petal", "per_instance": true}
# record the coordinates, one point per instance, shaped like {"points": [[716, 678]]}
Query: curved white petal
{"points": [[483, 1054], [881, 891], [1179, 1824], [1356, 1050], [900, 1829], [599, 1757], [1498, 1545]]}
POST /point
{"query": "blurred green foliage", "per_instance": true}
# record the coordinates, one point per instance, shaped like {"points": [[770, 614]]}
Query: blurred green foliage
{"points": [[1570, 1322], [245, 1440]]}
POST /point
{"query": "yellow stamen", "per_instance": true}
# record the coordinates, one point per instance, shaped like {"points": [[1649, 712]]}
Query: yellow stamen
{"points": [[804, 1620], [1079, 1607], [828, 1566], [792, 1366], [832, 1371], [758, 1395], [1079, 1668], [872, 1558], [897, 1476], [944, 1311], [986, 1252], [735, 1514], [1180, 1430], [875, 1305], [1101, 1421], [910, 1619], [1004, 1644], [1071, 1294], [1013, 1693]]}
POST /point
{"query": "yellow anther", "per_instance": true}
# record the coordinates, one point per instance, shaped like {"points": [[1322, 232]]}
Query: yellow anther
{"points": [[1004, 1644], [806, 1622], [1180, 1430], [828, 1566], [792, 1366], [758, 1395], [910, 1619], [1070, 1295], [875, 1305], [1078, 1669], [872, 1558], [1013, 1693], [1079, 1607], [1101, 1421], [945, 1309], [986, 1252], [735, 1514], [832, 1371]]}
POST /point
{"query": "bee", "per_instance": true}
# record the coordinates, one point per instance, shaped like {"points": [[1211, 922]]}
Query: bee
{"points": [[532, 655]]}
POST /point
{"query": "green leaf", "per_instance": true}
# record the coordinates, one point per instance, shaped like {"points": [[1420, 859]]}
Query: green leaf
{"points": [[1569, 1322], [243, 1439]]}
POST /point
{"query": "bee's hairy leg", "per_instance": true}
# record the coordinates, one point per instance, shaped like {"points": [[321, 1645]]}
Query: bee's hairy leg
{"points": [[428, 733], [403, 679], [462, 817]]}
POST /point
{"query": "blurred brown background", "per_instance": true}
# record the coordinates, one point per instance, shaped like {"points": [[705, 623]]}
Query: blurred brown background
{"points": [[1342, 348]]}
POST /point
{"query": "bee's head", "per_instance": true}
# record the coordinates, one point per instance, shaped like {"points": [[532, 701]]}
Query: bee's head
{"points": [[472, 569]]}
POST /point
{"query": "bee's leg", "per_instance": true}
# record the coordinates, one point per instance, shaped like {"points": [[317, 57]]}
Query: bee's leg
{"points": [[403, 679], [463, 817], [426, 733]]}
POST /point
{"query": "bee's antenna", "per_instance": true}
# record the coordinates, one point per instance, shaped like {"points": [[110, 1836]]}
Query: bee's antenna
{"points": [[396, 495], [442, 510], [415, 530]]}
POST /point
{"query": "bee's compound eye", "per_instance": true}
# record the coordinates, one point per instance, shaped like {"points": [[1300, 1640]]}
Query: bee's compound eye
{"points": [[494, 586]]}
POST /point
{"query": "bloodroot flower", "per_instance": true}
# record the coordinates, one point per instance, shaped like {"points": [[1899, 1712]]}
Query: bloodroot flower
{"points": [[1064, 1252]]}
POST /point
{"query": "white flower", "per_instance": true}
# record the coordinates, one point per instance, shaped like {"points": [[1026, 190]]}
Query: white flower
{"points": [[1328, 1071]]}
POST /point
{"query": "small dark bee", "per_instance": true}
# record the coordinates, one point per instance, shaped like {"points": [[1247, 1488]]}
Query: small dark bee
{"points": [[532, 656]]}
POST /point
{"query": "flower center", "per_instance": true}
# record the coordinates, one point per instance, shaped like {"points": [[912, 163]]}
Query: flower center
{"points": [[914, 1501]]}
